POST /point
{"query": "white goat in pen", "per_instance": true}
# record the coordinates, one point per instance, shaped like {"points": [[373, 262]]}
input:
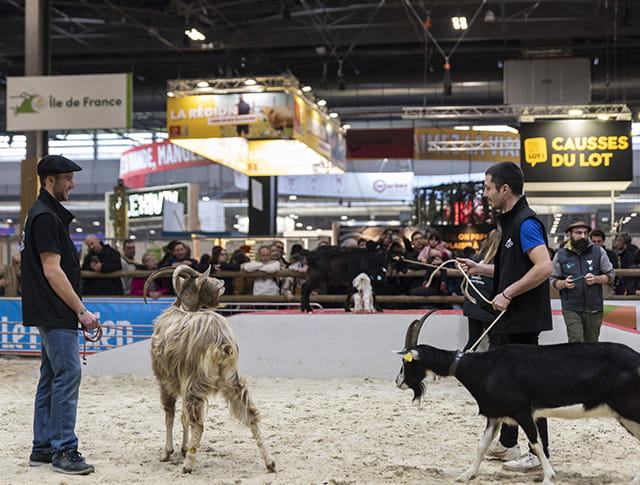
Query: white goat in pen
{"points": [[194, 355], [363, 297]]}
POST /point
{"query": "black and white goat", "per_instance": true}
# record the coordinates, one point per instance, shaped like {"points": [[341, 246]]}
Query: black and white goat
{"points": [[520, 383]]}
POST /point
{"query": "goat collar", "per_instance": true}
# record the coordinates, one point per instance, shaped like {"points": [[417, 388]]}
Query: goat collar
{"points": [[454, 365]]}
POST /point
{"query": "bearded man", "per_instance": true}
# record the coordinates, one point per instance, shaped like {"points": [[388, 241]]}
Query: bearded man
{"points": [[580, 269]]}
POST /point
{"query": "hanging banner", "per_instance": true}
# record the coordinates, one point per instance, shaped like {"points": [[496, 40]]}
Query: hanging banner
{"points": [[69, 102], [138, 162], [249, 115], [376, 185], [422, 137], [577, 151]]}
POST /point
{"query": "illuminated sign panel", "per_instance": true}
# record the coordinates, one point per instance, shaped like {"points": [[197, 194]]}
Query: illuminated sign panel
{"points": [[576, 151]]}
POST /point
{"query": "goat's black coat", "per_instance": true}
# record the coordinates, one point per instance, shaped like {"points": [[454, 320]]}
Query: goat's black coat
{"points": [[335, 267], [512, 380]]}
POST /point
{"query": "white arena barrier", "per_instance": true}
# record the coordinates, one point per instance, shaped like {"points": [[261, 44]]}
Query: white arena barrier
{"points": [[329, 344]]}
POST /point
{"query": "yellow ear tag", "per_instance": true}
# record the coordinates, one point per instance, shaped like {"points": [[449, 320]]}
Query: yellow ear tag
{"points": [[408, 357]]}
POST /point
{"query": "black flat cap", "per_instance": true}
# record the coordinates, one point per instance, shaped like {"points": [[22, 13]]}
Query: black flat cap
{"points": [[53, 164]]}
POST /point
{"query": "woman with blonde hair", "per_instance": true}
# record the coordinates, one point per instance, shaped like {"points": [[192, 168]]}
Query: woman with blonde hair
{"points": [[480, 314]]}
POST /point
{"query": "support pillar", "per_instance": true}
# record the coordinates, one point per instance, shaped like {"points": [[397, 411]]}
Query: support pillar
{"points": [[37, 62], [263, 205]]}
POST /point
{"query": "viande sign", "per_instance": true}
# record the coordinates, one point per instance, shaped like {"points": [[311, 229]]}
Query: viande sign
{"points": [[140, 161], [69, 102]]}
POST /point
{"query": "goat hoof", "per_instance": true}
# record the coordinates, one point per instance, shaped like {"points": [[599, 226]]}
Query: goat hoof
{"points": [[166, 455], [466, 476], [271, 466], [186, 470]]}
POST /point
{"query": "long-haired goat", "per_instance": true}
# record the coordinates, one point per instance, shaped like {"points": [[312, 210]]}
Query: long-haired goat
{"points": [[194, 355], [519, 383]]}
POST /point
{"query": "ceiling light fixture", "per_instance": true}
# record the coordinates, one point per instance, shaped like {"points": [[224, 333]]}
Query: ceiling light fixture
{"points": [[333, 115], [322, 102], [202, 84], [575, 112], [306, 89], [195, 34], [459, 23], [250, 82]]}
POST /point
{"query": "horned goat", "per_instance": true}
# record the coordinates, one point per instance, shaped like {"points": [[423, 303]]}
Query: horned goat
{"points": [[194, 355], [519, 383]]}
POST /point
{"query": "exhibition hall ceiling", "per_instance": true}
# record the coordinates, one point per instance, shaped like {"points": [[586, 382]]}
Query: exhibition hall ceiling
{"points": [[367, 58]]}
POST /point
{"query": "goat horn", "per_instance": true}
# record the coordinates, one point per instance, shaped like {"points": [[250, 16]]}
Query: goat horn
{"points": [[413, 332], [159, 273], [177, 274]]}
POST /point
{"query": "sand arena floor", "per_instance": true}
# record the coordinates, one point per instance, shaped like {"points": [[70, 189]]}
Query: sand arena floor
{"points": [[335, 431]]}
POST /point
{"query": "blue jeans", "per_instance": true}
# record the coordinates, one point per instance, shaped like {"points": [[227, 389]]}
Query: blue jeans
{"points": [[56, 404]]}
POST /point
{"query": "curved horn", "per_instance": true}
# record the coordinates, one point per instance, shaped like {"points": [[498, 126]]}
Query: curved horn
{"points": [[159, 273], [413, 332], [177, 274]]}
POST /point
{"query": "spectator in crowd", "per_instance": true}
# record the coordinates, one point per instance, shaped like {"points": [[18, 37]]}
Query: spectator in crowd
{"points": [[219, 262], [362, 243], [177, 253], [480, 314], [241, 285], [128, 263], [322, 243], [627, 256], [279, 256], [266, 263], [158, 287], [417, 245], [101, 258], [350, 242], [293, 286], [598, 237], [434, 251], [10, 277], [580, 270]]}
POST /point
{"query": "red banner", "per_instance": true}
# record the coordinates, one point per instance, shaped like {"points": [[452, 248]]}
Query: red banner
{"points": [[367, 144], [137, 162]]}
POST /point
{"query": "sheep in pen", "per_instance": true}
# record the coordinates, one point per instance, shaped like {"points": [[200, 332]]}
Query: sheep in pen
{"points": [[194, 355]]}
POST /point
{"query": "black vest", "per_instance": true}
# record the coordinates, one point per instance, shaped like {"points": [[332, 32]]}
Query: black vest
{"points": [[529, 312], [584, 297], [41, 306]]}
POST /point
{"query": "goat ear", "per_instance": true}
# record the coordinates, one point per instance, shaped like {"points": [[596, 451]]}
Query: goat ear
{"points": [[411, 356], [228, 350]]}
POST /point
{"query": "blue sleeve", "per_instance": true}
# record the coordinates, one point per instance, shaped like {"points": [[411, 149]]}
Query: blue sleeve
{"points": [[531, 235]]}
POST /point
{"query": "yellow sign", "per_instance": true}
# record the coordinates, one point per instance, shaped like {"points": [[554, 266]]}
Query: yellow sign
{"points": [[535, 150]]}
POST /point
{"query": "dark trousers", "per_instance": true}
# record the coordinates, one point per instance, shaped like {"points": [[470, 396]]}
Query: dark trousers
{"points": [[509, 433], [476, 328]]}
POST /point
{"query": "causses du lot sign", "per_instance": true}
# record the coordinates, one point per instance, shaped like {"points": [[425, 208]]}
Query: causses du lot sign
{"points": [[69, 102], [576, 151]]}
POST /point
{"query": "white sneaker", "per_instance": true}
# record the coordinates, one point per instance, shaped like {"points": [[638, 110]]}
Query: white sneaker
{"points": [[526, 463], [497, 451]]}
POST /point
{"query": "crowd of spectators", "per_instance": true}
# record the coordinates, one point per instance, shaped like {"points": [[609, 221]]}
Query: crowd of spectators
{"points": [[423, 251]]}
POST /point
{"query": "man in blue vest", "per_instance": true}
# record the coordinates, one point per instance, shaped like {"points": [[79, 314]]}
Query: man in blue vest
{"points": [[521, 272], [51, 301], [580, 269]]}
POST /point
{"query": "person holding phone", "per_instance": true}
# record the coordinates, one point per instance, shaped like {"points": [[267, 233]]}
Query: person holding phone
{"points": [[580, 269]]}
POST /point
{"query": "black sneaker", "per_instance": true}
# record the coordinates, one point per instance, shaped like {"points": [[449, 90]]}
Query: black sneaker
{"points": [[71, 463], [38, 458]]}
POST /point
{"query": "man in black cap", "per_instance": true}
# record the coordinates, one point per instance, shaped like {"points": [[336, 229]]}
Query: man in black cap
{"points": [[51, 301], [580, 269]]}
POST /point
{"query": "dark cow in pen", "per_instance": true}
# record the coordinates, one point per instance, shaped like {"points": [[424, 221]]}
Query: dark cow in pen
{"points": [[336, 267]]}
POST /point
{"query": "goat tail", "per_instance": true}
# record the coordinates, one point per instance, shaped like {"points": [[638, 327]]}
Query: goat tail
{"points": [[238, 397]]}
